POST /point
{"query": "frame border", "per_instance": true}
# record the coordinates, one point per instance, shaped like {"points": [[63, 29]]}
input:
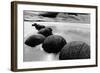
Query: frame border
{"points": [[14, 35]]}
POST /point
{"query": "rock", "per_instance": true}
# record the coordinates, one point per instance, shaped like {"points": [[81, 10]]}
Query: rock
{"points": [[53, 44], [75, 50], [34, 40], [45, 31], [38, 26], [49, 14]]}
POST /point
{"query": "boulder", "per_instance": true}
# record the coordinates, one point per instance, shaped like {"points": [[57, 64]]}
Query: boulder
{"points": [[45, 31], [34, 40], [75, 50], [53, 44]]}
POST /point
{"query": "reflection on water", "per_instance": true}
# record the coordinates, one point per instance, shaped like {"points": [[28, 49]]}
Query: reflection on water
{"points": [[70, 31]]}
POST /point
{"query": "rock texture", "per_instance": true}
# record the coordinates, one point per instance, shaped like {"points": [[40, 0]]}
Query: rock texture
{"points": [[75, 50], [53, 44], [34, 40]]}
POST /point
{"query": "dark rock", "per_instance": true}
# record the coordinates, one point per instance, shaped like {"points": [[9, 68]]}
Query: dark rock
{"points": [[53, 44], [38, 26], [73, 14], [45, 31], [75, 50], [34, 40], [49, 14]]}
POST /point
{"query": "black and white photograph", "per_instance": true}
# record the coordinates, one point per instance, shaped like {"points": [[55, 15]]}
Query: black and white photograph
{"points": [[53, 36], [50, 36]]}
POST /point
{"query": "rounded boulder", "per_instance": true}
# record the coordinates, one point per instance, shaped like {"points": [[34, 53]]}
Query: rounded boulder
{"points": [[75, 50], [45, 31], [53, 44], [34, 40]]}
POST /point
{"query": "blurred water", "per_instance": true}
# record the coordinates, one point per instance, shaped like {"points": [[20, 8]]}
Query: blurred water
{"points": [[30, 15], [70, 31]]}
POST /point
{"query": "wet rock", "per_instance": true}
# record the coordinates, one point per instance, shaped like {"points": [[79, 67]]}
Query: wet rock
{"points": [[49, 14], [38, 26], [53, 44], [46, 32], [75, 50], [34, 40]]}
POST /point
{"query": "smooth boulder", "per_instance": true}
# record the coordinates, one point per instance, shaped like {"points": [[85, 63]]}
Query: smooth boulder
{"points": [[53, 44], [75, 50], [45, 31], [34, 40]]}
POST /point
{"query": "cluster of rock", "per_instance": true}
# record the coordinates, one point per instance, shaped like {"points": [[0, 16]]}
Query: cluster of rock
{"points": [[52, 43]]}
